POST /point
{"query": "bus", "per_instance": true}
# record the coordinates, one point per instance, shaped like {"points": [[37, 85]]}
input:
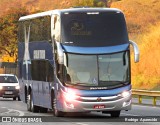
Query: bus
{"points": [[75, 60]]}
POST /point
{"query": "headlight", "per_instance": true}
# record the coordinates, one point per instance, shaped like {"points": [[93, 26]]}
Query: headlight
{"points": [[125, 94], [70, 95], [17, 87], [1, 87]]}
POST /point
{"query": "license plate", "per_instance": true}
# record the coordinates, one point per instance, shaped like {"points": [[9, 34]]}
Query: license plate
{"points": [[8, 92], [99, 106]]}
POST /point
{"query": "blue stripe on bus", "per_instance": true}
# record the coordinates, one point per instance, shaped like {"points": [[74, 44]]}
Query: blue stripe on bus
{"points": [[103, 93], [96, 50]]}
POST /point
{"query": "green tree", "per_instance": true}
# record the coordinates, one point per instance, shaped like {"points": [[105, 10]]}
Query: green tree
{"points": [[8, 30]]}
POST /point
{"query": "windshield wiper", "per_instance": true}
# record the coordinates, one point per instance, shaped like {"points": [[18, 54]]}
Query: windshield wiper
{"points": [[121, 82], [73, 84], [80, 84]]}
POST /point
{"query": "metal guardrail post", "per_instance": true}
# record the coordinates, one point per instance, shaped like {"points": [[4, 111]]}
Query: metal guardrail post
{"points": [[154, 101], [140, 99]]}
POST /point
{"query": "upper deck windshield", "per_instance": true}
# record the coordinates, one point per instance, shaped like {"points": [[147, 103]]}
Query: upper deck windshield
{"points": [[98, 70], [93, 29]]}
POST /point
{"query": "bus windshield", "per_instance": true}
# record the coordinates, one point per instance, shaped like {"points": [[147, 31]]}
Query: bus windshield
{"points": [[86, 29], [98, 70]]}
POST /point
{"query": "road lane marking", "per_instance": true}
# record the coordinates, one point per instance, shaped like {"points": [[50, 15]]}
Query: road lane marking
{"points": [[78, 123], [129, 114], [20, 112], [147, 106]]}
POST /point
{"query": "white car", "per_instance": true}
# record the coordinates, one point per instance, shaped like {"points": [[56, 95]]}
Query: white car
{"points": [[9, 86]]}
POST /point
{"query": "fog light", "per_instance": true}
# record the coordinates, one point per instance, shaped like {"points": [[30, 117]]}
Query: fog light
{"points": [[1, 87], [69, 105], [126, 103]]}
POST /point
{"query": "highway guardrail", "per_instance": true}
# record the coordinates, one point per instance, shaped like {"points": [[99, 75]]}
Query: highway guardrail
{"points": [[141, 93]]}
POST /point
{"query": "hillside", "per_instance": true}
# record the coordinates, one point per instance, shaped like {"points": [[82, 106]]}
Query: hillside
{"points": [[139, 14], [143, 20], [44, 5], [33, 5]]}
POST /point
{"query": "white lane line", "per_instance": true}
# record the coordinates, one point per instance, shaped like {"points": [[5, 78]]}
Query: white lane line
{"points": [[13, 110], [78, 123], [20, 112], [147, 106], [129, 114]]}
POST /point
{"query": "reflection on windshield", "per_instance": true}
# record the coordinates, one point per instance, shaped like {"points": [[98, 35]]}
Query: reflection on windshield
{"points": [[112, 67], [82, 69], [82, 29], [97, 70]]}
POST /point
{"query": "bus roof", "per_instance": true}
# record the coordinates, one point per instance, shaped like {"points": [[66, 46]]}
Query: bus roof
{"points": [[49, 13]]}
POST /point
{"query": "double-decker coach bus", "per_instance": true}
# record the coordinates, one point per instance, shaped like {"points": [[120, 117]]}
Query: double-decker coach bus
{"points": [[75, 60]]}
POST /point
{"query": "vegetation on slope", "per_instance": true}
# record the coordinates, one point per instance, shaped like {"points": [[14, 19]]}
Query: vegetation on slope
{"points": [[140, 14], [143, 21], [146, 74]]}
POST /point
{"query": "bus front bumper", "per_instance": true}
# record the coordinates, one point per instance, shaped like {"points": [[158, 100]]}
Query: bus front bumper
{"points": [[86, 104]]}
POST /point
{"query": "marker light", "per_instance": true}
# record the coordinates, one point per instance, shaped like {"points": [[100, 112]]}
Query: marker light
{"points": [[125, 94]]}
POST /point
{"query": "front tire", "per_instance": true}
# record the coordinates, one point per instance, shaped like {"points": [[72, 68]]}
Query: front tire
{"points": [[56, 112], [19, 99], [14, 98], [29, 102]]}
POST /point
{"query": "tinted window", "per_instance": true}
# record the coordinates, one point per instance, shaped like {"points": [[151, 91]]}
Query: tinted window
{"points": [[99, 29], [41, 70]]}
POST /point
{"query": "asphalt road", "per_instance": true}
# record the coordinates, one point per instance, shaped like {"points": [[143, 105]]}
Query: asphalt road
{"points": [[8, 107]]}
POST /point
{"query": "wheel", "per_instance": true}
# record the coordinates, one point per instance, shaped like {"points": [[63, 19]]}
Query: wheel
{"points": [[19, 98], [115, 113], [33, 107], [14, 98], [55, 111], [29, 102], [43, 110]]}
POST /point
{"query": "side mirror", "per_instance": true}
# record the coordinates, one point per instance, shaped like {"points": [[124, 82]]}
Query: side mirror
{"points": [[136, 51]]}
